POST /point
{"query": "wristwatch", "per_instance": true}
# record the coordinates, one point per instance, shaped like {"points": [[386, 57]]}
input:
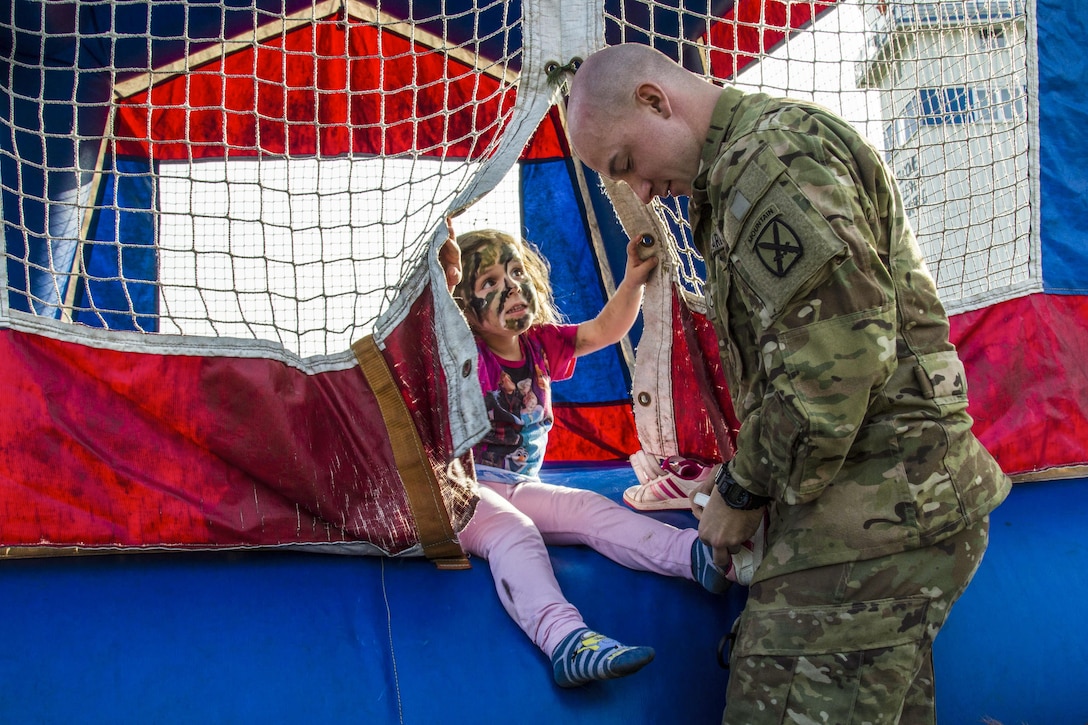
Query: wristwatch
{"points": [[735, 496]]}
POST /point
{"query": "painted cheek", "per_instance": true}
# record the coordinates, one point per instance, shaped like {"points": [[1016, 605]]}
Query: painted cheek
{"points": [[522, 323], [478, 305], [481, 305]]}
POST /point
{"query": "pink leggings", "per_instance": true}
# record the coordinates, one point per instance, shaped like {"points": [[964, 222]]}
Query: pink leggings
{"points": [[513, 524]]}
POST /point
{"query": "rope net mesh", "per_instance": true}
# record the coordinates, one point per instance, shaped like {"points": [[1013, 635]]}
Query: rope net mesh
{"points": [[275, 175], [941, 88], [276, 183]]}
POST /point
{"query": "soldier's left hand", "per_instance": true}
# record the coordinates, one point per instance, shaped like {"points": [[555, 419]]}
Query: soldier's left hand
{"points": [[725, 529]]}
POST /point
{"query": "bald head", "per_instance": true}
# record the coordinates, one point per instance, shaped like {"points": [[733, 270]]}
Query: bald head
{"points": [[604, 86], [637, 116]]}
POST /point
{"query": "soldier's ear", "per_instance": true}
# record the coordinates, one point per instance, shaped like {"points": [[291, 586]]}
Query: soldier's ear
{"points": [[652, 96]]}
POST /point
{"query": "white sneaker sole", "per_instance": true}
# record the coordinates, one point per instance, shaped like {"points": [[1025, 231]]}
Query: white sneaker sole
{"points": [[643, 498]]}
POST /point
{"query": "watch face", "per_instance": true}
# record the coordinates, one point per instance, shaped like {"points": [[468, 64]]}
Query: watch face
{"points": [[734, 494], [738, 497]]}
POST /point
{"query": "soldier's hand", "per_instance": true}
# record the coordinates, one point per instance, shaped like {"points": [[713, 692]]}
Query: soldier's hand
{"points": [[725, 529], [706, 488]]}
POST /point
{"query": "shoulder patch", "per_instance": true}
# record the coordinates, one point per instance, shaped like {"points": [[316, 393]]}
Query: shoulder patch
{"points": [[740, 205], [784, 241], [778, 246], [748, 189]]}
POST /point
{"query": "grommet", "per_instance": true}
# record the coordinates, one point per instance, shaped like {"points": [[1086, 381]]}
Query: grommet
{"points": [[466, 369], [557, 72], [647, 240], [644, 399]]}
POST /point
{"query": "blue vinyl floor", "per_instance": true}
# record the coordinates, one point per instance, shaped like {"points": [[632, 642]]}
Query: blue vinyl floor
{"points": [[288, 637]]}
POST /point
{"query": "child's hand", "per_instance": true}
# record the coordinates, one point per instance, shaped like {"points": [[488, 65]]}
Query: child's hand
{"points": [[621, 310], [638, 268], [449, 256]]}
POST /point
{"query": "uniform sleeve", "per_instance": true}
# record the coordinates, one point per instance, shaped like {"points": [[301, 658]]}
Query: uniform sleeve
{"points": [[818, 302]]}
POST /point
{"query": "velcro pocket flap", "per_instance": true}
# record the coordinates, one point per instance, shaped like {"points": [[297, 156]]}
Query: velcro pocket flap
{"points": [[941, 376], [783, 241]]}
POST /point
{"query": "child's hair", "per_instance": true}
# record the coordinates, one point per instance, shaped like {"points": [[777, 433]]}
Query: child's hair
{"points": [[535, 265]]}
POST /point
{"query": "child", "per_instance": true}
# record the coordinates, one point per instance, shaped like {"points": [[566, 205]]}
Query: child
{"points": [[505, 295]]}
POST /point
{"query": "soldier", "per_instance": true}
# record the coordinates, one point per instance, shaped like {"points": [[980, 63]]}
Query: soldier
{"points": [[852, 401]]}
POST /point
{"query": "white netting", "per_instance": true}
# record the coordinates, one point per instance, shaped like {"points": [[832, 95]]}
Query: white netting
{"points": [[940, 87], [953, 82], [277, 180], [306, 252], [275, 176]]}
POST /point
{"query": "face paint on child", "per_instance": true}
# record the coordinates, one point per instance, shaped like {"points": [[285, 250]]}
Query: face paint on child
{"points": [[502, 290]]}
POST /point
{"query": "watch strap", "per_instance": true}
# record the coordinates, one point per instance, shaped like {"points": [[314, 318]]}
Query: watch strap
{"points": [[735, 495]]}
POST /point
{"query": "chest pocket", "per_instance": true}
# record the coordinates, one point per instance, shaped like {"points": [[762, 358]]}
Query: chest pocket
{"points": [[780, 241]]}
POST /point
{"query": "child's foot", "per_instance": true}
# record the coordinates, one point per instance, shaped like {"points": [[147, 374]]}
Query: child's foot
{"points": [[742, 563], [585, 655], [704, 571]]}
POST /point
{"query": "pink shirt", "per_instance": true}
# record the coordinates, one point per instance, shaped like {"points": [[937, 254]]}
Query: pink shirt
{"points": [[518, 397]]}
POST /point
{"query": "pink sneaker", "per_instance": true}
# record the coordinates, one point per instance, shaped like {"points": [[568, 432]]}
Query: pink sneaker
{"points": [[665, 484]]}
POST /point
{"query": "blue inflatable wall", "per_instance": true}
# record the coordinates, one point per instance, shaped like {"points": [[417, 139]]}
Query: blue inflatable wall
{"points": [[288, 637]]}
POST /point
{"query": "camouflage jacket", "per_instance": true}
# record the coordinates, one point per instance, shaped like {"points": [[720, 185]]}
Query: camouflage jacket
{"points": [[852, 402]]}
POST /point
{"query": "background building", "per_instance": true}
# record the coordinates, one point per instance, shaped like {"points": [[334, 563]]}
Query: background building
{"points": [[954, 96]]}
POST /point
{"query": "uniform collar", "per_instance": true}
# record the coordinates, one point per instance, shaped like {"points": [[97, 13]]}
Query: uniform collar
{"points": [[720, 122]]}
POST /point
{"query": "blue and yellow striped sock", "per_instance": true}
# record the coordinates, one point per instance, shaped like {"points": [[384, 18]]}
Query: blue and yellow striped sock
{"points": [[585, 655], [703, 570]]}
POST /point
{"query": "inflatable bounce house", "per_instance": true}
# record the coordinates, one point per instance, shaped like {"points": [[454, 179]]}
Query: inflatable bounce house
{"points": [[239, 403]]}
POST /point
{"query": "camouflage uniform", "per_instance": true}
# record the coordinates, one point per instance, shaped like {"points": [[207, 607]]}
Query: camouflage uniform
{"points": [[852, 407]]}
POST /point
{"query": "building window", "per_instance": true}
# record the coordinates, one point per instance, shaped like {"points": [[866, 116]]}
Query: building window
{"points": [[944, 105], [992, 37], [998, 105], [955, 105]]}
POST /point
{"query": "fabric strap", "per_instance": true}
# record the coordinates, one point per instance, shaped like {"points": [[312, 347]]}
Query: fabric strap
{"points": [[436, 535]]}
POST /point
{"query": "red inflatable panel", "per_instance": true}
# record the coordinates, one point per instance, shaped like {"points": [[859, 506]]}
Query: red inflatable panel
{"points": [[122, 449], [1026, 376]]}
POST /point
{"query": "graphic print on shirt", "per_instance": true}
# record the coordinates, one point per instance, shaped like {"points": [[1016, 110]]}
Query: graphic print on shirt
{"points": [[520, 420]]}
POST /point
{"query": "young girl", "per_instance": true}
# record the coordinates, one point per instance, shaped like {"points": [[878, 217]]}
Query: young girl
{"points": [[505, 295]]}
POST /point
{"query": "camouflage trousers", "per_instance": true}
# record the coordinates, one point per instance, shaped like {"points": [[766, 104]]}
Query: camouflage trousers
{"points": [[848, 643]]}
